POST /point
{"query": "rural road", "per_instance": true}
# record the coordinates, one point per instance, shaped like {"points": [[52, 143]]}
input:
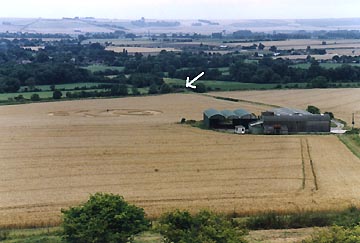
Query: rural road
{"points": [[339, 129]]}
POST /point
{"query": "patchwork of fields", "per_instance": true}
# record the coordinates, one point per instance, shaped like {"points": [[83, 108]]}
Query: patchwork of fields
{"points": [[53, 155]]}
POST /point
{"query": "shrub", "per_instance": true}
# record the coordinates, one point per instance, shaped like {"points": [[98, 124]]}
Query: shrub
{"points": [[35, 97], [313, 109], [204, 227], [200, 88], [104, 218], [4, 234], [335, 234], [57, 95]]}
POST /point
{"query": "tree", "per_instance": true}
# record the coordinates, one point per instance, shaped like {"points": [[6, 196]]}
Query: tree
{"points": [[319, 82], [104, 218], [273, 48], [204, 227], [153, 89], [165, 88], [313, 109], [261, 46], [200, 88], [57, 95], [35, 97], [135, 91]]}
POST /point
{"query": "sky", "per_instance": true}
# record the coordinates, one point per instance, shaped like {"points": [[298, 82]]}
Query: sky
{"points": [[182, 9]]}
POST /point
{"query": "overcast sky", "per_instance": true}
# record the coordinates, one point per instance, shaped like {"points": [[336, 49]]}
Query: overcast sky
{"points": [[182, 9]]}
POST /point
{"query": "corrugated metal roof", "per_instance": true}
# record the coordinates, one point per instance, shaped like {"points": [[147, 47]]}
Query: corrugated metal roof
{"points": [[241, 112], [290, 111], [301, 117], [212, 113], [229, 114]]}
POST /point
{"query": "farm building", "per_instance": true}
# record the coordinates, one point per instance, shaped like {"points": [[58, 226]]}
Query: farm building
{"points": [[290, 121], [227, 119]]}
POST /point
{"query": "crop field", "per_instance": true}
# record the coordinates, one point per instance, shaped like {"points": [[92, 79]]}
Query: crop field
{"points": [[342, 102], [53, 155]]}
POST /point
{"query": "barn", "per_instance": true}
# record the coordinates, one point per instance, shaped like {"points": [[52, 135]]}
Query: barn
{"points": [[227, 119], [291, 121]]}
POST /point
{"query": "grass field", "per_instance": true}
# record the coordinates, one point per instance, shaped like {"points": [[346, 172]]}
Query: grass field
{"points": [[99, 67], [55, 154], [324, 65], [229, 85]]}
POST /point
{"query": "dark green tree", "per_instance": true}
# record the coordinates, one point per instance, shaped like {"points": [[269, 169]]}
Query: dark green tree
{"points": [[204, 227], [319, 82], [200, 88], [165, 88], [313, 109], [153, 89], [104, 218], [57, 95], [35, 97]]}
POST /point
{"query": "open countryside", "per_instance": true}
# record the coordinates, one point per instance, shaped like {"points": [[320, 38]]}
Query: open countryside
{"points": [[159, 164]]}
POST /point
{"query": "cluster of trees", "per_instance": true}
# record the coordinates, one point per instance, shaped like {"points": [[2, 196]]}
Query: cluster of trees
{"points": [[281, 71]]}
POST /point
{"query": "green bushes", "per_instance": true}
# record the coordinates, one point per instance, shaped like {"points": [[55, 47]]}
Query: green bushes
{"points": [[204, 227], [104, 218], [335, 234]]}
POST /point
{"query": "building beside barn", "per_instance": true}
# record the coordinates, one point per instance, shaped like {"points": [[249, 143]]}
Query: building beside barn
{"points": [[226, 119], [292, 121]]}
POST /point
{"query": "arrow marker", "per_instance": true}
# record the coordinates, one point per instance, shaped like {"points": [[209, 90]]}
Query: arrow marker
{"points": [[189, 83]]}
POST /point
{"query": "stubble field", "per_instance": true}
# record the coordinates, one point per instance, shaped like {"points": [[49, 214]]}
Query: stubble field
{"points": [[53, 155]]}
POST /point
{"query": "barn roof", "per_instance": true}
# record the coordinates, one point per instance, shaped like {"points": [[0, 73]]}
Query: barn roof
{"points": [[290, 111], [212, 113], [241, 113], [229, 114]]}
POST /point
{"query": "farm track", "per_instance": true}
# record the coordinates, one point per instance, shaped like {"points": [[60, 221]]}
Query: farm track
{"points": [[53, 162], [309, 175]]}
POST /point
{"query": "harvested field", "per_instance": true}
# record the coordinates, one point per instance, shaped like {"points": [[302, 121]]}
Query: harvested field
{"points": [[54, 155], [342, 102]]}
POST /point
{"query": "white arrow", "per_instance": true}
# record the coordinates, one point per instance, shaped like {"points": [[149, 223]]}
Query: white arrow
{"points": [[189, 83]]}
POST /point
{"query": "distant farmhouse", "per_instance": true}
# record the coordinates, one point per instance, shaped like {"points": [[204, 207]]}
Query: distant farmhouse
{"points": [[280, 121]]}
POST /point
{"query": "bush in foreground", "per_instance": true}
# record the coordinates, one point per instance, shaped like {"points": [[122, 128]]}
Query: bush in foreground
{"points": [[204, 227], [335, 234], [104, 218]]}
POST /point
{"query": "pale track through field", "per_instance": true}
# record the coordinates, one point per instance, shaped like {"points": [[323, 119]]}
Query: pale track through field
{"points": [[53, 155]]}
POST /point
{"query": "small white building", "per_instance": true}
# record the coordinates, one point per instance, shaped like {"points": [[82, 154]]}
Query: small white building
{"points": [[239, 129]]}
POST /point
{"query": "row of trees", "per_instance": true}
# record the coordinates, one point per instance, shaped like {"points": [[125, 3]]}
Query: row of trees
{"points": [[108, 218]]}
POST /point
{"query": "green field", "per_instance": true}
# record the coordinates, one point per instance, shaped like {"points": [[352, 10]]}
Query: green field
{"points": [[228, 86], [98, 67], [324, 65], [64, 86]]}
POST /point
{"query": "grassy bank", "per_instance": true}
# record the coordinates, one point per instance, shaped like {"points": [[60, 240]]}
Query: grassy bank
{"points": [[352, 141]]}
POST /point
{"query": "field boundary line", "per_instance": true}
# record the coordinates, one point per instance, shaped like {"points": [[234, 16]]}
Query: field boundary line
{"points": [[240, 100]]}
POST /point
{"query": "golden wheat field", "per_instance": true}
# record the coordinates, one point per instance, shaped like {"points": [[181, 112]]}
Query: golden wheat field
{"points": [[53, 155]]}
